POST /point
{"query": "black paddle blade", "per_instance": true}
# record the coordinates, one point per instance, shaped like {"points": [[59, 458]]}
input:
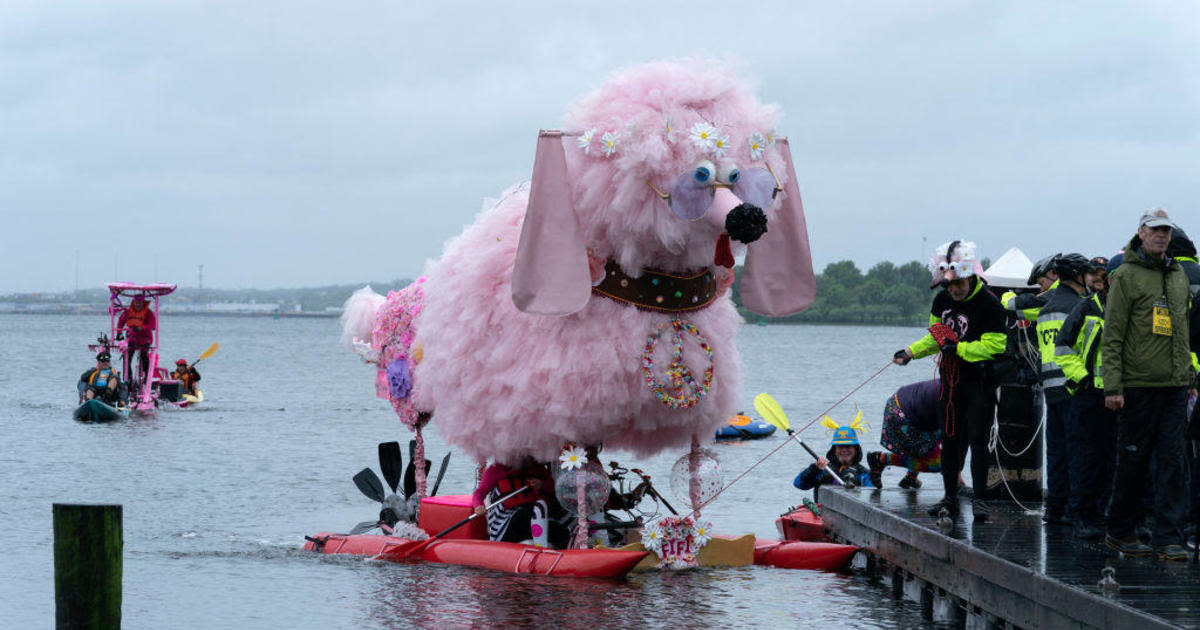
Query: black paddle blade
{"points": [[410, 477], [369, 484], [441, 473], [364, 527], [391, 463]]}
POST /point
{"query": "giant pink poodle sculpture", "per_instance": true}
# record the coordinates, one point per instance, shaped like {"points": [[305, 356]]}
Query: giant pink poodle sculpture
{"points": [[589, 305]]}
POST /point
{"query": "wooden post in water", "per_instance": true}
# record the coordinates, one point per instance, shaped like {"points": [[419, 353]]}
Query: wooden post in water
{"points": [[88, 547]]}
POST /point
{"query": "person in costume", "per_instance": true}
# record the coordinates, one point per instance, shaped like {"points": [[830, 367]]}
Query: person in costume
{"points": [[100, 382], [967, 331], [912, 434], [843, 459], [186, 375], [524, 518], [139, 324]]}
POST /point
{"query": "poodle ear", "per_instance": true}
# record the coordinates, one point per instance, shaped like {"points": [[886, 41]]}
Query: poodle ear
{"points": [[778, 279], [550, 275]]}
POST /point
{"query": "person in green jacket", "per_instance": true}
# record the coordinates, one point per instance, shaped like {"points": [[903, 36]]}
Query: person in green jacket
{"points": [[1147, 374], [1093, 426]]}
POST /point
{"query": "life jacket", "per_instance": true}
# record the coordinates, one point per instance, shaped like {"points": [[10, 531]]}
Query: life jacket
{"points": [[184, 376], [135, 318], [99, 378], [511, 482]]}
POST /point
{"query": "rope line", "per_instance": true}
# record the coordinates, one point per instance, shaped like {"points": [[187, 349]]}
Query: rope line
{"points": [[696, 511]]}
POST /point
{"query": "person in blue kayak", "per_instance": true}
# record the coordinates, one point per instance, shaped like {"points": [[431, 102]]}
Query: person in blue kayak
{"points": [[844, 458], [100, 382], [912, 432]]}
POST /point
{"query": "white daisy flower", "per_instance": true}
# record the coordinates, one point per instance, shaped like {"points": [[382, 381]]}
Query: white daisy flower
{"points": [[572, 458], [758, 146], [703, 135], [720, 146], [702, 533], [609, 142], [652, 537], [584, 141]]}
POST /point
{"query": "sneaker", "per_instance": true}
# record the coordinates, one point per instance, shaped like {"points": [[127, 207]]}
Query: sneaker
{"points": [[948, 504], [981, 510], [1174, 553], [875, 461], [910, 481], [1131, 546], [1086, 531]]}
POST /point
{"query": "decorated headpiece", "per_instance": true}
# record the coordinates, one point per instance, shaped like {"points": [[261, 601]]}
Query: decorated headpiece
{"points": [[954, 260], [845, 435]]}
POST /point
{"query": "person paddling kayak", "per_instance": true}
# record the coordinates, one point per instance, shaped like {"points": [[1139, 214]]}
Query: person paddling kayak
{"points": [[100, 382], [524, 518], [186, 375]]}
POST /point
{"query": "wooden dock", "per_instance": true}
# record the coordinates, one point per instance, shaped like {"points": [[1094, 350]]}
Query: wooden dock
{"points": [[1010, 572]]}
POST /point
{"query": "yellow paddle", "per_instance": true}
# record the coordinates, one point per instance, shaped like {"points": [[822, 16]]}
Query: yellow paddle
{"points": [[207, 353], [770, 410]]}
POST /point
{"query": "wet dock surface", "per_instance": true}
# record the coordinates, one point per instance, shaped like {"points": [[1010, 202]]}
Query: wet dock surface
{"points": [[1013, 568]]}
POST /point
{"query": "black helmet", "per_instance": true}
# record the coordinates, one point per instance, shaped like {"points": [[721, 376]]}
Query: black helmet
{"points": [[1099, 263], [102, 356], [1041, 267], [1071, 266], [1180, 245]]}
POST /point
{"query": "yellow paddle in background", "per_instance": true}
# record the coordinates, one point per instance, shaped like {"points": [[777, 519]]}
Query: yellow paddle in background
{"points": [[770, 410], [207, 353]]}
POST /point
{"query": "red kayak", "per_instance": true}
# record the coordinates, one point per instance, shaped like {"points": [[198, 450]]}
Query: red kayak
{"points": [[801, 524], [800, 554], [487, 554]]}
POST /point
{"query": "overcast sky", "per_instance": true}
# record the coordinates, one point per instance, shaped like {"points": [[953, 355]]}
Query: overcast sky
{"points": [[303, 143]]}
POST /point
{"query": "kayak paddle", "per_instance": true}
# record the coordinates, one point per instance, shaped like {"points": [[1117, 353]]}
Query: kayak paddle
{"points": [[369, 484], [441, 473], [391, 463], [770, 410], [414, 547], [207, 353]]}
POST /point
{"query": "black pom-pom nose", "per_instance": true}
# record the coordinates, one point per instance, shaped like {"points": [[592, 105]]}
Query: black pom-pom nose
{"points": [[746, 223]]}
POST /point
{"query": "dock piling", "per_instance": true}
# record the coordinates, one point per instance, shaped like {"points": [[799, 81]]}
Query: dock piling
{"points": [[88, 549]]}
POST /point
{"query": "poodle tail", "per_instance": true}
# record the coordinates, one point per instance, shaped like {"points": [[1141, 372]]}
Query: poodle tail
{"points": [[358, 316]]}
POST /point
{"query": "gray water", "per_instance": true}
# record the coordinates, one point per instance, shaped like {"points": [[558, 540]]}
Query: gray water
{"points": [[217, 498]]}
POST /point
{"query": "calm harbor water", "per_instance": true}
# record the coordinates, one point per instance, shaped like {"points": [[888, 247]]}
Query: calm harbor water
{"points": [[217, 499]]}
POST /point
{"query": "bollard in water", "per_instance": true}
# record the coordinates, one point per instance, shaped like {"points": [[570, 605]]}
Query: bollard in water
{"points": [[88, 546]]}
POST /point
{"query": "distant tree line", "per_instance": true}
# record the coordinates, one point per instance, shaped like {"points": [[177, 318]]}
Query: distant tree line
{"points": [[886, 295]]}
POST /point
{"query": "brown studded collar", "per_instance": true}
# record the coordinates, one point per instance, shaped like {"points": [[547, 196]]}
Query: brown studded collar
{"points": [[658, 290]]}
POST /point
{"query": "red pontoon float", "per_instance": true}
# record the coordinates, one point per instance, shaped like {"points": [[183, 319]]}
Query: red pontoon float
{"points": [[822, 556], [463, 547]]}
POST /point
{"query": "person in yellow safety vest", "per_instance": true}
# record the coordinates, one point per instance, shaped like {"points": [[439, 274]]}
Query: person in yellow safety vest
{"points": [[1093, 447], [1026, 306], [1059, 302]]}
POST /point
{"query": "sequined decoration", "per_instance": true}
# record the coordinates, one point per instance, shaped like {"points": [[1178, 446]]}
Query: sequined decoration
{"points": [[679, 389]]}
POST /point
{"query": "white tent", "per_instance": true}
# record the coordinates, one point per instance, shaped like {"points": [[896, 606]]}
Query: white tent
{"points": [[1010, 271]]}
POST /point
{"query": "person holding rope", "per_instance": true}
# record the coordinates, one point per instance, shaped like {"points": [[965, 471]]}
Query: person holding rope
{"points": [[1093, 428], [967, 330], [1147, 374]]}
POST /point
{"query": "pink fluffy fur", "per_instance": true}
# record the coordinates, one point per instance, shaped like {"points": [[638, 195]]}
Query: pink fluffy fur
{"points": [[503, 383]]}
